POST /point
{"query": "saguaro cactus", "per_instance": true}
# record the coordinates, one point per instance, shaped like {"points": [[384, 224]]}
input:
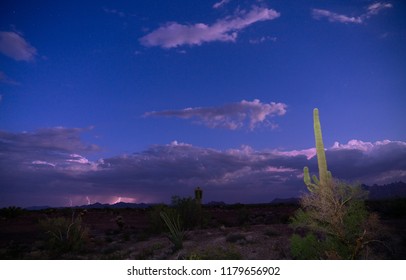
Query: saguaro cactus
{"points": [[324, 174], [198, 195]]}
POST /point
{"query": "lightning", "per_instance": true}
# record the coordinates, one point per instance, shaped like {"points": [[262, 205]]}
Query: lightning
{"points": [[118, 200], [88, 200]]}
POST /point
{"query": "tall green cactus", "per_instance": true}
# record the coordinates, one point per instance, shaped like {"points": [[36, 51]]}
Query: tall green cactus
{"points": [[324, 174]]}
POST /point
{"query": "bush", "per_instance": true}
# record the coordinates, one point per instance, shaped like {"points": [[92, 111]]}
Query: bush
{"points": [[336, 224], [189, 210], [65, 235], [11, 212], [176, 234]]}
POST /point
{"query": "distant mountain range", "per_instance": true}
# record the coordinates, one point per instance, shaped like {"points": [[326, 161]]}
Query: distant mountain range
{"points": [[98, 205], [376, 192], [393, 190]]}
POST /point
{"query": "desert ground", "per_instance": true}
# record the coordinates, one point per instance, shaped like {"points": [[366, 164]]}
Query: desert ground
{"points": [[226, 232]]}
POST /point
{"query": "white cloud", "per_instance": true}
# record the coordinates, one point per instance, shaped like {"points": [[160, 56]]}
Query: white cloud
{"points": [[375, 8], [334, 17], [364, 146], [308, 153], [15, 46], [230, 116], [220, 4], [41, 162], [173, 34], [371, 10]]}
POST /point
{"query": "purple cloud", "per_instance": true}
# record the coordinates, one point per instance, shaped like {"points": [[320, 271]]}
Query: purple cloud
{"points": [[173, 34], [230, 116], [371, 10], [15, 46], [57, 174]]}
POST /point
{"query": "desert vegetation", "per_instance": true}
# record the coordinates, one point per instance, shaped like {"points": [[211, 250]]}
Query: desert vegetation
{"points": [[334, 220]]}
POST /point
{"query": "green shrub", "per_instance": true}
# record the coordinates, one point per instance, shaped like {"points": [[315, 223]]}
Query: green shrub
{"points": [[305, 248], [65, 235]]}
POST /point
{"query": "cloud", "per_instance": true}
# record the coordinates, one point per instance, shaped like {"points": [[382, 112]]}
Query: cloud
{"points": [[369, 162], [375, 8], [16, 47], [334, 17], [173, 34], [46, 174], [371, 10], [220, 4], [230, 116], [61, 139]]}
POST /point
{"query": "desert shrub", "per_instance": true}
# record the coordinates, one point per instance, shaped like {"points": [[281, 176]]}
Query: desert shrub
{"points": [[307, 247], [120, 222], [176, 233], [65, 234], [335, 224], [11, 212], [156, 225], [243, 216], [189, 211], [155, 221]]}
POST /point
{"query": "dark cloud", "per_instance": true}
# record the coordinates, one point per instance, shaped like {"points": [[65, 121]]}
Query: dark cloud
{"points": [[45, 167]]}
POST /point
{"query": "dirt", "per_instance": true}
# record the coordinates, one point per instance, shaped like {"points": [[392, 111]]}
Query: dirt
{"points": [[232, 232]]}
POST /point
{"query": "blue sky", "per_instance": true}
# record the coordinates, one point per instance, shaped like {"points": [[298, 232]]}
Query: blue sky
{"points": [[140, 100]]}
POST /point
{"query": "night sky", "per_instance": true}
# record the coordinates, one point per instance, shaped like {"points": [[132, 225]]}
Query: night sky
{"points": [[137, 101]]}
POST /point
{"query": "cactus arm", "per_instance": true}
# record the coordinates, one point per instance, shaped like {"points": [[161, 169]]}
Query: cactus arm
{"points": [[321, 155], [316, 180], [306, 177]]}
